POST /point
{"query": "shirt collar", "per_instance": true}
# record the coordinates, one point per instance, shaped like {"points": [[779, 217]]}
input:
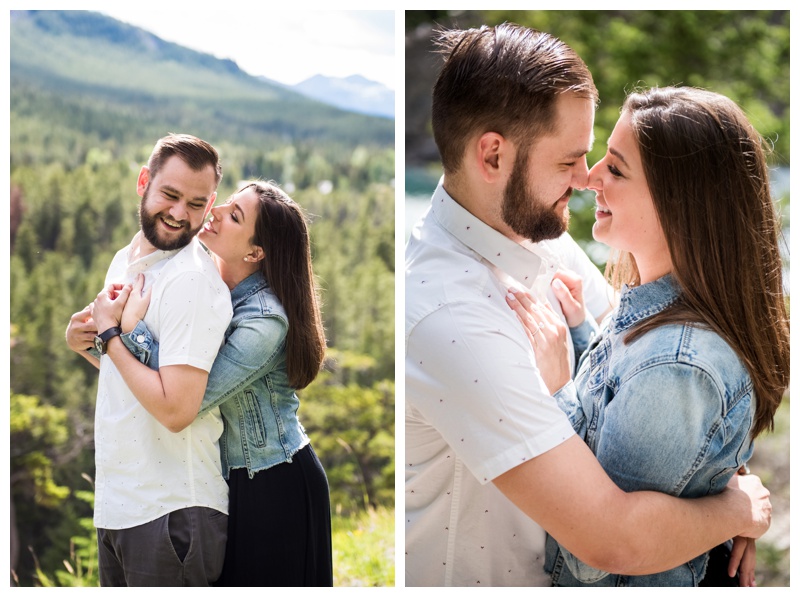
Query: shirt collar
{"points": [[145, 263], [640, 302], [531, 264]]}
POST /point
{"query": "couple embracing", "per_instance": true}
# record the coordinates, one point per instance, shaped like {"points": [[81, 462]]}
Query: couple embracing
{"points": [[543, 447], [204, 473]]}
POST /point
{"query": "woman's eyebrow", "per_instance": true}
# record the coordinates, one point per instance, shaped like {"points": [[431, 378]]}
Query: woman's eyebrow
{"points": [[618, 155]]}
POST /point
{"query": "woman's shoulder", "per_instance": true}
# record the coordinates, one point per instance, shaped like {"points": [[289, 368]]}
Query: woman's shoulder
{"points": [[262, 303], [691, 346]]}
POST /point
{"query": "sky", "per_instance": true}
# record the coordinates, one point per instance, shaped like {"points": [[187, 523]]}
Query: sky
{"points": [[288, 46]]}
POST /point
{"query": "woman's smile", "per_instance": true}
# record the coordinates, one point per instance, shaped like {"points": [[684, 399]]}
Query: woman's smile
{"points": [[601, 211]]}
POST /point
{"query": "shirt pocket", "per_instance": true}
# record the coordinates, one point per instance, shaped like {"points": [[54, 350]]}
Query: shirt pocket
{"points": [[255, 422]]}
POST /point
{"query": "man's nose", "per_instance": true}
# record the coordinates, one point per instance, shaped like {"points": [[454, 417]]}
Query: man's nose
{"points": [[580, 177], [178, 212]]}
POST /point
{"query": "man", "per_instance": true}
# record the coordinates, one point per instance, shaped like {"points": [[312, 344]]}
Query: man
{"points": [[489, 456], [160, 499]]}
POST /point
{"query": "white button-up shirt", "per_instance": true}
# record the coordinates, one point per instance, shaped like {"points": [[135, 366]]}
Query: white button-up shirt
{"points": [[476, 405], [145, 471]]}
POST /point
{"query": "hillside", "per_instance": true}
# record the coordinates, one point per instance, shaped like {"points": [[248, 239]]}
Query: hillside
{"points": [[350, 93], [82, 69]]}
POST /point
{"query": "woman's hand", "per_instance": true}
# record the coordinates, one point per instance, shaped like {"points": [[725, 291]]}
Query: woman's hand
{"points": [[568, 288], [548, 336], [137, 305], [107, 307], [743, 558]]}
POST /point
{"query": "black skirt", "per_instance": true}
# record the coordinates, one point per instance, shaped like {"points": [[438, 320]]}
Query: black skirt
{"points": [[279, 526]]}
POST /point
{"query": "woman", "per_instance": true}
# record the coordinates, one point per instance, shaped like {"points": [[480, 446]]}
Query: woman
{"points": [[692, 364], [279, 517]]}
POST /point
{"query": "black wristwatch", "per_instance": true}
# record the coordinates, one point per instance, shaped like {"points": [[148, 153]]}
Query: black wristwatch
{"points": [[101, 340]]}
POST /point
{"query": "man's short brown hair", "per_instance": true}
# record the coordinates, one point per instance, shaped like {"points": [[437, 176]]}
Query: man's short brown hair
{"points": [[196, 153], [503, 79]]}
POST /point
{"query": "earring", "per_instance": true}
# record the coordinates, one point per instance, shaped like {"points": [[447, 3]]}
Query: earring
{"points": [[246, 259]]}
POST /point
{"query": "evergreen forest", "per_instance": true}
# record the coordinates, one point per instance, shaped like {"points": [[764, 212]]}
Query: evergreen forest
{"points": [[82, 125]]}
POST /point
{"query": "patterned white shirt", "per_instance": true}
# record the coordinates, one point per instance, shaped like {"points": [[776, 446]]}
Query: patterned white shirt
{"points": [[145, 471], [476, 405]]}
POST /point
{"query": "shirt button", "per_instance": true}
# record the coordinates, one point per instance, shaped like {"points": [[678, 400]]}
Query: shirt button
{"points": [[140, 338]]}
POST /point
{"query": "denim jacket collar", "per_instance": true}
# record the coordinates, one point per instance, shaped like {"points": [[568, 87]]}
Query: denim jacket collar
{"points": [[247, 288], [640, 302]]}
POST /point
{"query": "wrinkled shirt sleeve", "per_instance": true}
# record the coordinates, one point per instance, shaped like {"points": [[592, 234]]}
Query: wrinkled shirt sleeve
{"points": [[481, 389]]}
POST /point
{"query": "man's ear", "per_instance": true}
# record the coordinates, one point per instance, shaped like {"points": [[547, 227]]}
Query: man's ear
{"points": [[210, 204], [492, 155], [142, 181]]}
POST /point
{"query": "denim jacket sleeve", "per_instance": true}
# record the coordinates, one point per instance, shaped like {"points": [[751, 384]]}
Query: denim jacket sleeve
{"points": [[568, 401], [252, 349], [142, 345], [249, 352], [637, 446], [582, 335]]}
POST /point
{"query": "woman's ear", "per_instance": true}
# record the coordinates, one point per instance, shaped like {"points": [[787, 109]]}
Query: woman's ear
{"points": [[255, 255]]}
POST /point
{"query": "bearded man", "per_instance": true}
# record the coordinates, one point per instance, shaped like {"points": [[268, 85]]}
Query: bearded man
{"points": [[161, 503]]}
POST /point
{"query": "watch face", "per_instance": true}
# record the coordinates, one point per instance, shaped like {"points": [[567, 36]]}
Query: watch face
{"points": [[99, 345]]}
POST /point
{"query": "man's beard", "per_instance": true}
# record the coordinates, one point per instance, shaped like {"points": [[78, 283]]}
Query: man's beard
{"points": [[150, 224], [525, 213]]}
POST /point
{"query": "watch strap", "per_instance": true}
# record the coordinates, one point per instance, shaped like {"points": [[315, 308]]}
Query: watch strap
{"points": [[110, 333]]}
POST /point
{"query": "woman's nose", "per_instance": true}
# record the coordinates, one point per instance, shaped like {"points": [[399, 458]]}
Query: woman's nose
{"points": [[594, 177]]}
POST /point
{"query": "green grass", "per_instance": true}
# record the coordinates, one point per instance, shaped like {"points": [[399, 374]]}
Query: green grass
{"points": [[363, 553], [771, 462], [363, 549]]}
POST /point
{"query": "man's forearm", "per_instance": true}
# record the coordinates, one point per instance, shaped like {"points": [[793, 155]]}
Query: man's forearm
{"points": [[174, 405], [91, 358], [653, 532], [567, 492]]}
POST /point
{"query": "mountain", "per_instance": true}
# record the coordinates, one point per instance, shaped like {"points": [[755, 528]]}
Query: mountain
{"points": [[85, 69], [354, 93]]}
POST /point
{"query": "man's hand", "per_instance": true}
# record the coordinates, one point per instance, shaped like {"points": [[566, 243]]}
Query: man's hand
{"points": [[108, 306], [760, 506], [81, 330]]}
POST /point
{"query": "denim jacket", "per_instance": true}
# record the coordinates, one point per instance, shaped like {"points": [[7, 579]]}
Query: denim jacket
{"points": [[670, 412], [248, 381]]}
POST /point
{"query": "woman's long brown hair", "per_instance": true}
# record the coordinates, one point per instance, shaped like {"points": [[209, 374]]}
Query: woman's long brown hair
{"points": [[282, 233], [706, 171]]}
